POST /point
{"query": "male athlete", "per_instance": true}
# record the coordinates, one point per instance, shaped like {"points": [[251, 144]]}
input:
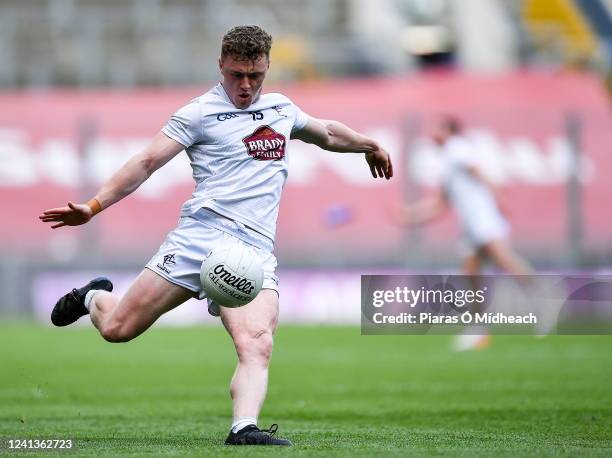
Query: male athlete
{"points": [[237, 141], [473, 198]]}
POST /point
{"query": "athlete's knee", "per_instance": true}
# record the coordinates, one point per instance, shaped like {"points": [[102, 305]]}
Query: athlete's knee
{"points": [[254, 345], [116, 332]]}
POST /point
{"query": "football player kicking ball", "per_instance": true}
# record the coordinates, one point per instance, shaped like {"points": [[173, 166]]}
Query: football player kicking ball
{"points": [[237, 140], [472, 196]]}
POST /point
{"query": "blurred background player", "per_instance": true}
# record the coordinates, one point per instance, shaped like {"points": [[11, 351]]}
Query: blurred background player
{"points": [[473, 197]]}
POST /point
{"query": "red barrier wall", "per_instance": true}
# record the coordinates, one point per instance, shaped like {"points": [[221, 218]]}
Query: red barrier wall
{"points": [[330, 206]]}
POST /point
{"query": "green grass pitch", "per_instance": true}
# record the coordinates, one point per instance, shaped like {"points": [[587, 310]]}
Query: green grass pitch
{"points": [[333, 392]]}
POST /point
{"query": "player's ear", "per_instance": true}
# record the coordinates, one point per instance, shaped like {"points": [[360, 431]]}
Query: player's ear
{"points": [[220, 64]]}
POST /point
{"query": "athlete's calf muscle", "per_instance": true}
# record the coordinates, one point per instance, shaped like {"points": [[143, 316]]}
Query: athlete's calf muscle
{"points": [[148, 298]]}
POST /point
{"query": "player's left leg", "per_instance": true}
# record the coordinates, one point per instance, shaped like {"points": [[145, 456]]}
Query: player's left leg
{"points": [[472, 264], [252, 330], [472, 337], [502, 254]]}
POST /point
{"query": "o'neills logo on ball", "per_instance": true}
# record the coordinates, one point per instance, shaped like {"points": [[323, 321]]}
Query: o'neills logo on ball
{"points": [[241, 284], [265, 144]]}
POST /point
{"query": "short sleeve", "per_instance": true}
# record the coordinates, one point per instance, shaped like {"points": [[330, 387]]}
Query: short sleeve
{"points": [[301, 119], [462, 153], [185, 126]]}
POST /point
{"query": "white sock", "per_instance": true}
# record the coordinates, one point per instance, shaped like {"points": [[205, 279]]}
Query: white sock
{"points": [[89, 297], [242, 422]]}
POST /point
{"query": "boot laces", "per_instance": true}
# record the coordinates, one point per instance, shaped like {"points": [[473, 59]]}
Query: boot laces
{"points": [[271, 430]]}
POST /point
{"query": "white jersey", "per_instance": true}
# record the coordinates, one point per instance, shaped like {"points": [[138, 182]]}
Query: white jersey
{"points": [[239, 157], [471, 199]]}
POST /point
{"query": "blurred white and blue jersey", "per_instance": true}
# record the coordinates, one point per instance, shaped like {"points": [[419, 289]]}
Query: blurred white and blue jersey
{"points": [[473, 201], [239, 157]]}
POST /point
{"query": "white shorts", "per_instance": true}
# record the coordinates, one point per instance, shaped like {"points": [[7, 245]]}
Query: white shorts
{"points": [[483, 229], [180, 256]]}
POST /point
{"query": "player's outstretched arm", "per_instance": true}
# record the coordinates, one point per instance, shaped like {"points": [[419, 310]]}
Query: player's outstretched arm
{"points": [[125, 181], [335, 136], [421, 212]]}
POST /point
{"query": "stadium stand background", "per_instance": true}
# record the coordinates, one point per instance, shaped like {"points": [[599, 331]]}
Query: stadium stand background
{"points": [[48, 43]]}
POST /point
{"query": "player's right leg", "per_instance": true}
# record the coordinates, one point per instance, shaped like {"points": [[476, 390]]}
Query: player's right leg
{"points": [[120, 319], [172, 276], [148, 298], [71, 306]]}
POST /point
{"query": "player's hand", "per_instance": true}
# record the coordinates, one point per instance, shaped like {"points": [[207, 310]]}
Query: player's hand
{"points": [[71, 215], [401, 215], [380, 163]]}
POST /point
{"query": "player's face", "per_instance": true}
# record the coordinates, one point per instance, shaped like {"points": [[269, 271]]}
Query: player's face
{"points": [[440, 135], [242, 80]]}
